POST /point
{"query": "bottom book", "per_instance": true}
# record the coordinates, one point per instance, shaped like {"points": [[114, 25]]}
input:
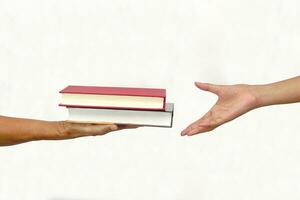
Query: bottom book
{"points": [[132, 117]]}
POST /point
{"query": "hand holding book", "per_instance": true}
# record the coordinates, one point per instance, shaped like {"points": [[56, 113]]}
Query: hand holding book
{"points": [[93, 111], [17, 130]]}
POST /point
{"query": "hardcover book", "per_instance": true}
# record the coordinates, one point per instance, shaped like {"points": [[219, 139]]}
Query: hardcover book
{"points": [[116, 116], [114, 97]]}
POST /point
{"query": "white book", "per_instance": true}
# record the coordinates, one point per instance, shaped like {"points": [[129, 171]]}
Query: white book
{"points": [[132, 117]]}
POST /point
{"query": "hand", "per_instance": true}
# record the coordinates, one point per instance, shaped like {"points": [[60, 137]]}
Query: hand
{"points": [[233, 101], [19, 130], [69, 130]]}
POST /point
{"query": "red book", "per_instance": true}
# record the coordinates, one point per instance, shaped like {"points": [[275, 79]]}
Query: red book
{"points": [[114, 97]]}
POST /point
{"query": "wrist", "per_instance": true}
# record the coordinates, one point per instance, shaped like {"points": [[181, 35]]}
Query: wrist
{"points": [[260, 94], [51, 130], [60, 131]]}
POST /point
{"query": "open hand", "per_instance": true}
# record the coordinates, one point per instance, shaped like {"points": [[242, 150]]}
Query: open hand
{"points": [[233, 101]]}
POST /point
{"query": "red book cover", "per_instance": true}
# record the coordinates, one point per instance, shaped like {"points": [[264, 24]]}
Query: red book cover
{"points": [[122, 91], [118, 91]]}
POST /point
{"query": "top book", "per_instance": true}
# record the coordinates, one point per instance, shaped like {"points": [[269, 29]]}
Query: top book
{"points": [[114, 97]]}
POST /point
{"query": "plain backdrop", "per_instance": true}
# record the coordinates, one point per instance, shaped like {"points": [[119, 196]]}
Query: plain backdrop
{"points": [[47, 45]]}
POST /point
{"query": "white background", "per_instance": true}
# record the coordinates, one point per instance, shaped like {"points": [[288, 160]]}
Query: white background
{"points": [[46, 45]]}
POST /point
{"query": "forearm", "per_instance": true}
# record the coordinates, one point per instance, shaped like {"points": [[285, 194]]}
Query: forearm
{"points": [[16, 130], [283, 92]]}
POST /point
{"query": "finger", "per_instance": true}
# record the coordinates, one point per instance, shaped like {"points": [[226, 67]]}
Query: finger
{"points": [[208, 87], [200, 122], [204, 125], [199, 129], [127, 126], [201, 125], [101, 129], [188, 128]]}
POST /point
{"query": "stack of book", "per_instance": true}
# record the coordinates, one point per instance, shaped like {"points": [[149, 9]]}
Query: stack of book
{"points": [[118, 105]]}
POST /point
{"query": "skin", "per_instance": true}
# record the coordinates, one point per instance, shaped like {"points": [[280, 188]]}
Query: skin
{"points": [[16, 130], [233, 101], [236, 100]]}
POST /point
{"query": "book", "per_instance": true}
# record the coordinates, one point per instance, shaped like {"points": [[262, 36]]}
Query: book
{"points": [[114, 97], [116, 116]]}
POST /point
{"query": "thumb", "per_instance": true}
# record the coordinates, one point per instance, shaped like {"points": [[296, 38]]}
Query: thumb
{"points": [[208, 87]]}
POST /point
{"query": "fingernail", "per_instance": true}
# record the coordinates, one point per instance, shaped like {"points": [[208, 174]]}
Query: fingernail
{"points": [[183, 133]]}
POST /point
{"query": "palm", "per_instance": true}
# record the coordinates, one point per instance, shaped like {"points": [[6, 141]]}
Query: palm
{"points": [[233, 101]]}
